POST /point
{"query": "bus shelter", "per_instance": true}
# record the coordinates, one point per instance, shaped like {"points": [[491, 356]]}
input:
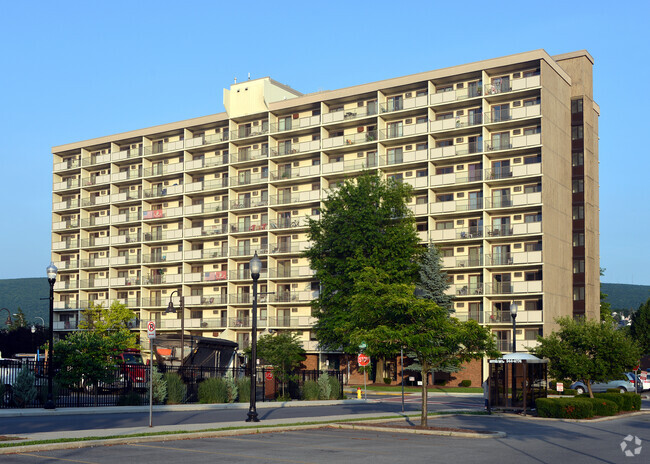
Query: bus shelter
{"points": [[516, 381]]}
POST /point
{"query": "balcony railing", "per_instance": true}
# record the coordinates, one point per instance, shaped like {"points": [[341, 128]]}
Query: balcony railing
{"points": [[287, 321], [126, 238], [129, 153], [453, 261], [456, 178], [293, 297], [404, 131], [209, 276], [206, 162], [67, 265], [94, 262], [507, 201], [125, 281], [68, 164], [67, 184], [350, 165], [63, 225], [294, 271], [296, 123], [96, 159], [160, 279], [350, 139], [205, 231], [293, 247], [159, 146], [456, 205], [250, 155], [247, 250], [207, 253], [455, 95], [65, 325], [457, 150], [66, 285], [67, 204], [162, 257], [349, 114], [163, 235], [248, 226], [95, 241], [285, 198], [507, 288], [295, 173], [65, 245], [249, 203], [96, 200], [404, 104], [126, 196], [253, 131], [125, 260], [465, 290], [457, 122], [69, 304], [504, 317], [506, 259], [455, 234], [511, 143]]}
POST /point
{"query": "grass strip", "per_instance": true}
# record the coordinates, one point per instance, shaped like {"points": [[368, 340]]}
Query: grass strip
{"points": [[221, 429], [398, 388]]}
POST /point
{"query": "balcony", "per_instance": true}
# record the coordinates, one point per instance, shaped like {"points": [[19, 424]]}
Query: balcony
{"points": [[513, 143], [464, 261], [293, 297], [210, 161], [125, 260], [247, 179], [64, 225], [350, 114], [286, 173], [67, 305], [126, 175], [455, 95], [403, 104], [509, 172], [291, 272], [206, 300], [504, 317], [349, 139], [66, 204], [514, 229], [96, 180], [507, 288], [404, 131], [129, 153], [207, 253], [439, 235], [247, 250], [300, 321], [465, 290], [171, 234], [249, 203], [94, 262], [94, 283], [293, 247], [161, 257], [453, 178], [162, 213], [296, 123], [66, 285], [512, 114], [188, 323], [95, 241], [96, 159], [125, 282], [156, 192], [159, 146], [457, 150], [512, 201], [210, 276], [250, 131], [286, 199], [245, 274], [60, 326], [248, 226], [247, 154], [67, 164], [126, 196], [208, 231], [96, 200], [458, 122], [206, 185], [465, 316], [349, 165], [162, 279], [509, 259], [65, 245], [417, 182], [67, 265], [206, 140], [410, 156], [96, 221], [67, 184], [456, 206], [419, 208], [513, 85], [286, 223]]}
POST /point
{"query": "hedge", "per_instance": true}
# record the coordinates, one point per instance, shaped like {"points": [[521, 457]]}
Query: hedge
{"points": [[310, 390], [604, 407], [633, 400], [564, 408], [213, 390]]}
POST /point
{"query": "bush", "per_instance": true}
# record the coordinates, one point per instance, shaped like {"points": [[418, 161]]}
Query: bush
{"points": [[465, 383], [310, 390], [604, 407], [129, 399], [213, 390], [24, 387], [324, 387], [231, 388], [176, 388], [632, 400], [335, 388], [440, 382], [615, 397], [612, 390], [569, 391], [388, 380], [159, 387], [284, 398], [244, 389], [564, 408], [42, 391]]}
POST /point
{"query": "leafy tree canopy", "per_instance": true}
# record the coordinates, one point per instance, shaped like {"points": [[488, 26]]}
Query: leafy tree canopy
{"points": [[588, 350], [365, 223], [640, 328], [113, 321], [284, 352], [388, 316]]}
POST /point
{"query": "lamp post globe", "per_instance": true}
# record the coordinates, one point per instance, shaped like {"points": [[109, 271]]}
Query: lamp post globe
{"points": [[513, 315], [256, 268], [51, 271]]}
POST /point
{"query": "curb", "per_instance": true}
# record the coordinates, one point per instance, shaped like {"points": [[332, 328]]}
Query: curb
{"points": [[586, 421], [444, 433]]}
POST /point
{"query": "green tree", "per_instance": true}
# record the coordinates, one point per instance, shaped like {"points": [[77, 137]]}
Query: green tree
{"points": [[588, 350], [640, 328], [284, 352], [365, 223], [87, 358], [432, 280], [18, 320], [114, 321], [605, 306], [24, 387], [388, 316]]}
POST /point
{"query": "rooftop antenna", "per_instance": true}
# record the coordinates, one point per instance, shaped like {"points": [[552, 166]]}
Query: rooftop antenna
{"points": [[235, 80], [249, 76]]}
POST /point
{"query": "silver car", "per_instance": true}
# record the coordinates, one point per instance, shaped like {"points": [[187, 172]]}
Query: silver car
{"points": [[624, 384]]}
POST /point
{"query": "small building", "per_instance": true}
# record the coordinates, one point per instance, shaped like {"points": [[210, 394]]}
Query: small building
{"points": [[517, 379]]}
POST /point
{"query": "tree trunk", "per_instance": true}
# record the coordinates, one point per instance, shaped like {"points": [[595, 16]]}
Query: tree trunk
{"points": [[588, 384], [425, 395]]}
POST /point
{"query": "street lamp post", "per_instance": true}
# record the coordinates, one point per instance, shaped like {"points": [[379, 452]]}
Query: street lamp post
{"points": [[42, 320], [256, 267], [51, 278], [171, 309], [8, 321], [513, 314]]}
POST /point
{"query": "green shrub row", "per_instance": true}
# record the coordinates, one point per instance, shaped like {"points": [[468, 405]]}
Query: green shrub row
{"points": [[628, 401], [326, 388], [566, 392], [224, 390], [581, 407]]}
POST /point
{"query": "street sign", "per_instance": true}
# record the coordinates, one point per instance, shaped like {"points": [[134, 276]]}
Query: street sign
{"points": [[363, 359], [362, 346], [560, 387], [268, 375], [643, 376], [151, 330]]}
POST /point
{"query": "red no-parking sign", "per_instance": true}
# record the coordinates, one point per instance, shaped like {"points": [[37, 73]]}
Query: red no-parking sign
{"points": [[151, 329], [363, 359], [268, 375]]}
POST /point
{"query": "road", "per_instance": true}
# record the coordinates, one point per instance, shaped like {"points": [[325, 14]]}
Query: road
{"points": [[527, 440], [388, 404]]}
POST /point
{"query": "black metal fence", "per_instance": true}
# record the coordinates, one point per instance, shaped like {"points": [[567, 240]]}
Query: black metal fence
{"points": [[128, 384]]}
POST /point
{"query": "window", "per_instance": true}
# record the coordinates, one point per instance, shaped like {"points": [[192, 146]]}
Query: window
{"points": [[442, 225], [421, 120], [578, 185], [421, 93], [421, 200], [421, 227], [577, 158], [576, 106], [441, 116], [531, 334], [395, 103], [394, 155], [421, 173], [533, 275], [532, 101], [531, 73], [445, 197], [444, 143], [533, 305], [578, 266], [421, 146], [444, 88], [444, 170], [577, 132], [532, 130], [533, 246], [533, 159], [579, 239], [578, 212], [533, 188], [446, 252], [578, 293]]}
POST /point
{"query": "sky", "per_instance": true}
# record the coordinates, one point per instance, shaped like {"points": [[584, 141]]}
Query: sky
{"points": [[75, 70]]}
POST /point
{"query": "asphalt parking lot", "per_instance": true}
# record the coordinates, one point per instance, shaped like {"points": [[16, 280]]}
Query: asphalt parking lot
{"points": [[527, 440]]}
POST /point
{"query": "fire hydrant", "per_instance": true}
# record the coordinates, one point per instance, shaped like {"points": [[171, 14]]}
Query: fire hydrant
{"points": [[358, 393]]}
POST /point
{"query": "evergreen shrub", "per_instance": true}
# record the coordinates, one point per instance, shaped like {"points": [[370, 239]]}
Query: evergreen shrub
{"points": [[213, 390], [176, 388]]}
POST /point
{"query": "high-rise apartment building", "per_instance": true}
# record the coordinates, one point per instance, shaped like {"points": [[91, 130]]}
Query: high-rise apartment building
{"points": [[502, 155]]}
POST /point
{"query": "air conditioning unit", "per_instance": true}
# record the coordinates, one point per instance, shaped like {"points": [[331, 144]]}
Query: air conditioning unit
{"points": [[408, 95], [255, 147], [255, 240], [165, 248], [295, 188], [408, 148], [294, 237], [296, 140], [132, 229], [294, 261], [296, 164]]}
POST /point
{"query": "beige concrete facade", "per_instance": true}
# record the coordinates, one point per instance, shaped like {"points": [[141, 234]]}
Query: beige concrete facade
{"points": [[486, 146]]}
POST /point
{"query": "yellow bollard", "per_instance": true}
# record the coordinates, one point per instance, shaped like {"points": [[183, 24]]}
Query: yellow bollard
{"points": [[358, 393]]}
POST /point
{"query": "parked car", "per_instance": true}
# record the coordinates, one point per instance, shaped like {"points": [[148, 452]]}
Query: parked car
{"points": [[643, 385], [623, 384]]}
